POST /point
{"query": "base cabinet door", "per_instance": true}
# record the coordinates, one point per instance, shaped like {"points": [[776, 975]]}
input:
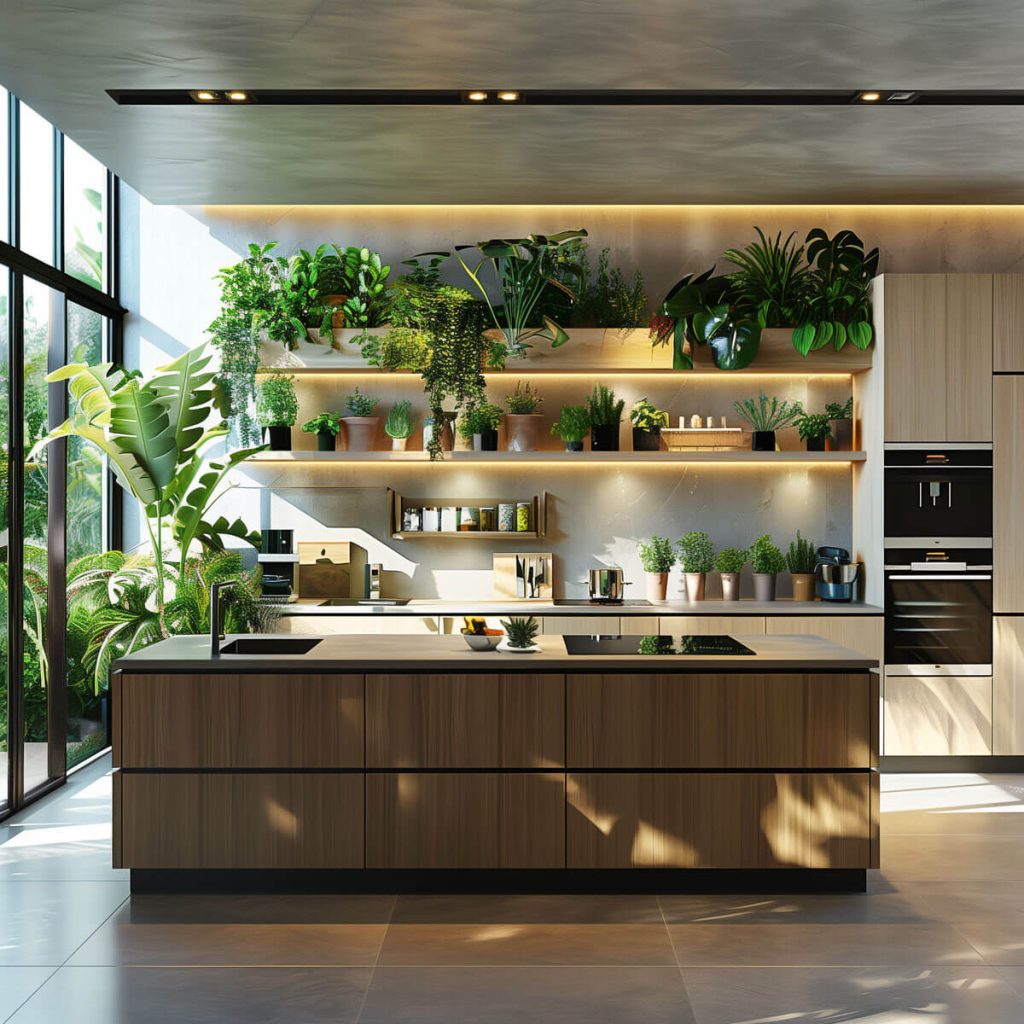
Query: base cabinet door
{"points": [[1008, 496], [480, 820], [736, 820], [1008, 685], [936, 716], [234, 820], [861, 633], [711, 625]]}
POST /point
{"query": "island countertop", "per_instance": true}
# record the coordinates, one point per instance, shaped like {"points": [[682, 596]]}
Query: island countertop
{"points": [[191, 654]]}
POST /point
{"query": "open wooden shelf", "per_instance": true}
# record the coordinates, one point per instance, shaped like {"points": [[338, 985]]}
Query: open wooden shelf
{"points": [[396, 504], [561, 458], [466, 535]]}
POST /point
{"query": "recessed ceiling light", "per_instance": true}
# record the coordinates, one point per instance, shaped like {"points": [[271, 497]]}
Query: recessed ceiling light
{"points": [[903, 96], [477, 96], [869, 97], [509, 96], [238, 96], [206, 96]]}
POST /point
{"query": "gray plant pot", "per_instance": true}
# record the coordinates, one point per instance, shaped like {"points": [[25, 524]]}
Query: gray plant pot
{"points": [[764, 586]]}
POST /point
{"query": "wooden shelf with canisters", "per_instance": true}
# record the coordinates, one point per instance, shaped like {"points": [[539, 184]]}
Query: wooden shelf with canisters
{"points": [[363, 764], [505, 518]]}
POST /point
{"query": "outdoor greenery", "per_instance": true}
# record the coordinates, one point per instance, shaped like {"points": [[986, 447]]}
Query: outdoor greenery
{"points": [[657, 555], [765, 557], [572, 424], [603, 407], [359, 404], [399, 423], [323, 423], [731, 559], [276, 404], [764, 414], [802, 556], [523, 400], [647, 417], [696, 552]]}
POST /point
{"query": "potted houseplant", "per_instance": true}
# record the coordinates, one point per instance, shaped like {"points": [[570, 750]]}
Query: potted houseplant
{"points": [[520, 635], [657, 558], [647, 424], [605, 416], [815, 429], [800, 560], [767, 562], [326, 428], [572, 426], [840, 419], [765, 417], [729, 562], [361, 425], [697, 557], [480, 425], [276, 409], [398, 426], [523, 421]]}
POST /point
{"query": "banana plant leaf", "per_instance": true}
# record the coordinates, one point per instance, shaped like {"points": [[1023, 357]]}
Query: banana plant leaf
{"points": [[184, 386]]}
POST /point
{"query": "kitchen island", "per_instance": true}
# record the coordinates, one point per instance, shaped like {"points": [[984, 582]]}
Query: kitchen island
{"points": [[379, 763]]}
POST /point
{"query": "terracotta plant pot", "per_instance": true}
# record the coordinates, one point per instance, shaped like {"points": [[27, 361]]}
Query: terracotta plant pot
{"points": [[338, 319], [398, 444], [524, 431], [695, 583], [604, 438], [325, 441], [646, 440], [280, 438], [361, 432], [803, 586], [730, 586], [657, 586], [764, 586]]}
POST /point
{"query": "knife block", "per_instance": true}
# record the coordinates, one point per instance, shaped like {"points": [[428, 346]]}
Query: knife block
{"points": [[504, 574]]}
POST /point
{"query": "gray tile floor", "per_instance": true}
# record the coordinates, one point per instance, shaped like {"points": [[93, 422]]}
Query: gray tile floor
{"points": [[939, 938]]}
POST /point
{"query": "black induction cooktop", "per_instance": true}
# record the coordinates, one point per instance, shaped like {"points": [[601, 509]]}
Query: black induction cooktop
{"points": [[683, 645]]}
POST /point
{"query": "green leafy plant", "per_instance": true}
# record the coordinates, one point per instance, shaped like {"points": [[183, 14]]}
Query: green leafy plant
{"points": [[731, 559], [603, 407], [359, 404], [399, 423], [276, 404], [521, 270], [802, 556], [304, 281], [402, 348], [521, 632], [604, 297], [525, 399], [324, 423], [771, 280], [408, 291], [766, 415], [656, 555], [813, 426], [765, 557], [479, 419], [363, 277], [835, 411], [647, 417], [696, 552], [572, 424]]}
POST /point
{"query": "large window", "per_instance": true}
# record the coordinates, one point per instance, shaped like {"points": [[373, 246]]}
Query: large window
{"points": [[5, 374], [35, 183], [85, 216]]}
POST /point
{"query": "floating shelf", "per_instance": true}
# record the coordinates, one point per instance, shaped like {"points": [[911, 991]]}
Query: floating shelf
{"points": [[396, 505], [466, 535], [461, 458]]}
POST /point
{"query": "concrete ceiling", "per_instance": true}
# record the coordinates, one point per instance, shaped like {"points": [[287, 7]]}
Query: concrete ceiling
{"points": [[61, 55]]}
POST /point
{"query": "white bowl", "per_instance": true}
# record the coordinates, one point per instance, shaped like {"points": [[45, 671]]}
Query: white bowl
{"points": [[482, 642]]}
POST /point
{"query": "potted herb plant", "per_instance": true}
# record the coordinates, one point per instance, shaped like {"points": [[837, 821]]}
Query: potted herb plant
{"points": [[767, 562], [840, 419], [605, 416], [361, 425], [729, 562], [520, 635], [572, 426], [647, 424], [815, 429], [276, 409], [801, 560], [480, 425], [657, 558], [326, 427], [697, 557], [398, 426], [765, 417], [523, 421]]}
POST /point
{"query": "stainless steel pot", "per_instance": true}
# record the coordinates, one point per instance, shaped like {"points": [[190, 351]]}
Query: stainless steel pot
{"points": [[843, 573], [606, 584]]}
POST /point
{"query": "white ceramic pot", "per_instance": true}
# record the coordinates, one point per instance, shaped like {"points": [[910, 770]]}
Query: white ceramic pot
{"points": [[695, 583], [398, 444], [657, 586]]}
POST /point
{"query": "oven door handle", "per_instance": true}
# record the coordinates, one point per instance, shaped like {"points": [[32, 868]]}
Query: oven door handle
{"points": [[941, 576]]}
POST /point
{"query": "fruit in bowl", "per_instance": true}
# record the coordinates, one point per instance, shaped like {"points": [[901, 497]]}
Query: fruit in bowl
{"points": [[478, 635]]}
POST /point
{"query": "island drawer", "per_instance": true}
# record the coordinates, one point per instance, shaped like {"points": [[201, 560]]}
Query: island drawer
{"points": [[475, 820], [238, 721], [238, 820], [513, 720], [708, 820], [683, 721]]}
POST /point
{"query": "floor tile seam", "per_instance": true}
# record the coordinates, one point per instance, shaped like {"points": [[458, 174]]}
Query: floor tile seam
{"points": [[33, 993], [127, 899], [675, 955], [376, 960]]}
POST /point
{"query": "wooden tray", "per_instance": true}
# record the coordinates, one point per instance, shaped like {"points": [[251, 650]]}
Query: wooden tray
{"points": [[681, 439]]}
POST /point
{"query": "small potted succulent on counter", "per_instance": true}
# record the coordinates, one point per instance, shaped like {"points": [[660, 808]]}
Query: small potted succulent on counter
{"points": [[398, 426], [767, 562], [326, 428], [815, 429], [697, 557], [657, 558], [361, 425], [605, 416], [571, 426], [729, 562], [520, 635], [277, 409], [840, 419], [800, 561], [523, 421], [765, 416], [480, 425], [647, 424]]}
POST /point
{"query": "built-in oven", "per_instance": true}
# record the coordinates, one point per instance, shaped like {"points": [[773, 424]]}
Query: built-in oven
{"points": [[938, 611]]}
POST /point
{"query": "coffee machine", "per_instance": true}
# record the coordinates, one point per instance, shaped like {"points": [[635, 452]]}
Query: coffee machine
{"points": [[835, 575]]}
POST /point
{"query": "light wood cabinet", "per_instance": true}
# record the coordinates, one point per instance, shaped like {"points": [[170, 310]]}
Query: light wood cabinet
{"points": [[861, 633], [1008, 323], [749, 720], [937, 342], [579, 625], [712, 625], [476, 820], [1008, 496], [719, 820], [937, 716], [1008, 685], [359, 625], [465, 721]]}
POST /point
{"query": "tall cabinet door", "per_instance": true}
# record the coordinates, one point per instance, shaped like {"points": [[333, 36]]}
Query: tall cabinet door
{"points": [[968, 357], [1008, 323], [915, 357], [1008, 496]]}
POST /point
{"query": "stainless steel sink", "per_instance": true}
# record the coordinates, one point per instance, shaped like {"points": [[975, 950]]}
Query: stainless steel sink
{"points": [[372, 602], [271, 645]]}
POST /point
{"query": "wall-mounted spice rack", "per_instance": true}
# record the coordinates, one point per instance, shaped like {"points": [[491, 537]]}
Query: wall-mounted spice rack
{"points": [[397, 506]]}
